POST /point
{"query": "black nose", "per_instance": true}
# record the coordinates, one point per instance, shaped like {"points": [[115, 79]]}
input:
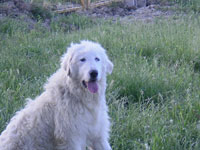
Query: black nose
{"points": [[93, 74]]}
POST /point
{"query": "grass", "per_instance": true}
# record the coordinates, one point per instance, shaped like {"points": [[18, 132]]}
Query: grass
{"points": [[183, 5], [153, 93]]}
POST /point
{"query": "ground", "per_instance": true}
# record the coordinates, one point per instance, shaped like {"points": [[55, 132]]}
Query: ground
{"points": [[130, 14], [153, 93], [16, 8]]}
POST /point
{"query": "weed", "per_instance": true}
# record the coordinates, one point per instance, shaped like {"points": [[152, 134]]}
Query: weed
{"points": [[39, 12]]}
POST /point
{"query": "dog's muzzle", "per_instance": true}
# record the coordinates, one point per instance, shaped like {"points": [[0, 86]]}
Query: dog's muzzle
{"points": [[92, 85]]}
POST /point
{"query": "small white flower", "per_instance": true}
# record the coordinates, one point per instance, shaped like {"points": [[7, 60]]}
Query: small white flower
{"points": [[147, 146], [198, 126]]}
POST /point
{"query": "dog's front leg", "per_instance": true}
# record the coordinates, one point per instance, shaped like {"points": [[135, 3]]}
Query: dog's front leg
{"points": [[101, 144]]}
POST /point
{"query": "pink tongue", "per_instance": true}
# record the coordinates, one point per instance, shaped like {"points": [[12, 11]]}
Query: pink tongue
{"points": [[92, 87]]}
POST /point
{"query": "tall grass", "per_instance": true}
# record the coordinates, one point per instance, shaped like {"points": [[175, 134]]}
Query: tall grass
{"points": [[153, 93]]}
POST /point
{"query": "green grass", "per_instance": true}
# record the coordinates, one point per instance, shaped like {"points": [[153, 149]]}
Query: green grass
{"points": [[183, 5], [153, 93]]}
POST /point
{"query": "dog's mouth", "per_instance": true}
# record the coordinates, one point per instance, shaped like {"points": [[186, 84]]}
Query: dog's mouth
{"points": [[92, 86]]}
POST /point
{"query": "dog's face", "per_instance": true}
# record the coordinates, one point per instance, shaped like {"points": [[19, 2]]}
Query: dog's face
{"points": [[87, 63]]}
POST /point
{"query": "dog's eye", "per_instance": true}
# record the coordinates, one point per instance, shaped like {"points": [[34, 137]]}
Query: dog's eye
{"points": [[82, 59], [97, 59]]}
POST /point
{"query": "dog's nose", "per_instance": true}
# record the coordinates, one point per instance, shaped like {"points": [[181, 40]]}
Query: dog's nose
{"points": [[93, 74]]}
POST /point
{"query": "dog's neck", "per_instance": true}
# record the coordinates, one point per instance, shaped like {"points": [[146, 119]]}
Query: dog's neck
{"points": [[76, 88], [87, 100]]}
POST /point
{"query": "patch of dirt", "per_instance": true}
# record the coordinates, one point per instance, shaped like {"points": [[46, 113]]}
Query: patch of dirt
{"points": [[149, 13], [115, 10], [14, 8], [128, 14], [25, 11], [18, 8]]}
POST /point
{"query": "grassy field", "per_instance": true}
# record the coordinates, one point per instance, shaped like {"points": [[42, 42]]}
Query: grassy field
{"points": [[153, 93]]}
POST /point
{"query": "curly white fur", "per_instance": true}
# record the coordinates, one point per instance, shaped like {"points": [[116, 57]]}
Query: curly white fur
{"points": [[66, 116]]}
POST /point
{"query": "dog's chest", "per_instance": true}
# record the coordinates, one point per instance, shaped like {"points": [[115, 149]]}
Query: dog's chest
{"points": [[81, 118], [91, 126], [90, 114]]}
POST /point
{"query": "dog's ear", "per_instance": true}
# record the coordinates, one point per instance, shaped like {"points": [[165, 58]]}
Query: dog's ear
{"points": [[66, 61], [109, 65]]}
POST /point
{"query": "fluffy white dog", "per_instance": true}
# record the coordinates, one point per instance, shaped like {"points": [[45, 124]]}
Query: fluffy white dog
{"points": [[71, 113]]}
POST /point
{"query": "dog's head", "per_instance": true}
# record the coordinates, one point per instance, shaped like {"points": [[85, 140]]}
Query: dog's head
{"points": [[87, 63]]}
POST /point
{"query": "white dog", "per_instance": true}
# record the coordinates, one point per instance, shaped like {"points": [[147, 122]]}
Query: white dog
{"points": [[71, 113]]}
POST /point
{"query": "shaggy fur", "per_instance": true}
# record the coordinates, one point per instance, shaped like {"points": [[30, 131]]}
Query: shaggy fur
{"points": [[71, 113]]}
